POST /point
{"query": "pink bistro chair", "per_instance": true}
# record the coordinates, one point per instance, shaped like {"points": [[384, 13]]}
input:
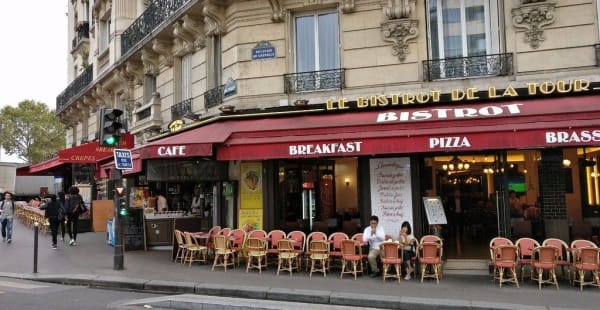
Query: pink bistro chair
{"points": [[544, 258], [351, 258], [391, 255], [586, 259], [494, 243], [298, 237], [506, 257], [525, 246], [430, 260], [258, 233], [564, 256], [336, 244], [225, 231], [359, 239]]}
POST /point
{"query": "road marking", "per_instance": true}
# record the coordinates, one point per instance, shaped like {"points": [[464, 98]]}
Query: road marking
{"points": [[20, 285]]}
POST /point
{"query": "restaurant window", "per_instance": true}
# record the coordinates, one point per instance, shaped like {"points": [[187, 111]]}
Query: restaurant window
{"points": [[317, 41]]}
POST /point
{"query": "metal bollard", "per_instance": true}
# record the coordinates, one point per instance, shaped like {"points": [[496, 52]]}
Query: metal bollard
{"points": [[36, 229]]}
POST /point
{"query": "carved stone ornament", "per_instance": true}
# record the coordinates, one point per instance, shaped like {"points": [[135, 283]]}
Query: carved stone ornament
{"points": [[277, 11], [214, 17], [399, 32], [533, 16], [347, 6], [164, 49], [150, 61], [136, 70], [397, 9], [189, 36], [91, 103]]}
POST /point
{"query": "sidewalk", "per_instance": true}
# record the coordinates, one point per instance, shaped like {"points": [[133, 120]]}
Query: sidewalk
{"points": [[91, 263]]}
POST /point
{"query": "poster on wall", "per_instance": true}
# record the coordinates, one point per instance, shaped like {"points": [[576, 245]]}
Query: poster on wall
{"points": [[391, 198], [250, 219], [251, 185]]}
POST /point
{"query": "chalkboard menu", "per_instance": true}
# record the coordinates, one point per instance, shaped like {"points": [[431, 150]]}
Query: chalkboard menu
{"points": [[133, 230]]}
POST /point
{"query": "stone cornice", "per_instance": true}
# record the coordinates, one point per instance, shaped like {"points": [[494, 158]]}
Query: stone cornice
{"points": [[164, 49], [214, 17], [347, 6], [397, 9], [189, 35], [150, 61], [533, 16]]}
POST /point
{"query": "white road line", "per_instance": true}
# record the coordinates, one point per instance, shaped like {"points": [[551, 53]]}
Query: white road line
{"points": [[20, 285]]}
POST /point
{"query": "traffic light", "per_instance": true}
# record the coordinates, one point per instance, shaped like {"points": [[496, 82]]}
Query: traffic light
{"points": [[110, 126], [123, 207]]}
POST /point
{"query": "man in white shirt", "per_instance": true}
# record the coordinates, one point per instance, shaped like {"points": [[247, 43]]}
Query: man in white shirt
{"points": [[374, 235]]}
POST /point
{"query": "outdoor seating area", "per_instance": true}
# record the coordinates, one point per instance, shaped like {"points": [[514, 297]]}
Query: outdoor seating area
{"points": [[290, 253], [579, 262], [29, 215]]}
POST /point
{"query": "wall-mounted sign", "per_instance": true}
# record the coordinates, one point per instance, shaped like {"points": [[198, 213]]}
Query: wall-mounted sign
{"points": [[230, 88], [263, 50], [175, 125]]}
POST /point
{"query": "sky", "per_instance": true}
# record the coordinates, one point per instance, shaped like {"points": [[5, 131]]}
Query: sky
{"points": [[34, 53]]}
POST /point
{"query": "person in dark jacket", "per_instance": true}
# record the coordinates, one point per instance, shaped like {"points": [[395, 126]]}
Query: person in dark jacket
{"points": [[61, 224], [74, 206], [52, 213]]}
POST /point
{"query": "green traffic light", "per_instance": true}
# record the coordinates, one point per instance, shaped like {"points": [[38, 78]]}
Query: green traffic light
{"points": [[110, 141], [123, 212]]}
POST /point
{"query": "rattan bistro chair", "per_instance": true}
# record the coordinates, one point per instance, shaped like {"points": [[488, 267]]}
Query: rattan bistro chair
{"points": [[256, 249], [506, 257], [586, 259], [391, 255], [288, 259], [544, 258], [319, 257], [224, 255], [193, 251]]}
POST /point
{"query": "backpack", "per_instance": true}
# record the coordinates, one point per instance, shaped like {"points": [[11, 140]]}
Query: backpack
{"points": [[61, 211]]}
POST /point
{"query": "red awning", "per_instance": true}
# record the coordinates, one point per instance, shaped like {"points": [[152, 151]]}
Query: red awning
{"points": [[88, 153], [105, 170], [195, 142], [556, 122]]}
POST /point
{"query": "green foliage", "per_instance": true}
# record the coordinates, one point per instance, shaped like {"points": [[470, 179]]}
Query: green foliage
{"points": [[31, 131]]}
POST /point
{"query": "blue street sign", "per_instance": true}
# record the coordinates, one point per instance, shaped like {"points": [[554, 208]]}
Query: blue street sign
{"points": [[123, 160]]}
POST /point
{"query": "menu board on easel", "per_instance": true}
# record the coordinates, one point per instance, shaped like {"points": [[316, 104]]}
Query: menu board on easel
{"points": [[133, 230], [434, 210]]}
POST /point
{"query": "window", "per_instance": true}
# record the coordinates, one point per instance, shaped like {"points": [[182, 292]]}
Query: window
{"points": [[186, 77], [462, 28], [104, 35], [317, 42], [149, 87]]}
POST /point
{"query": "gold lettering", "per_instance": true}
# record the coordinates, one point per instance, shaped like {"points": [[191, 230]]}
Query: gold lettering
{"points": [[329, 105], [395, 99], [457, 94], [342, 104], [581, 85], [361, 103], [408, 98], [492, 92], [532, 88], [510, 92], [382, 101], [472, 93], [422, 97], [560, 87], [373, 101], [435, 94], [547, 88]]}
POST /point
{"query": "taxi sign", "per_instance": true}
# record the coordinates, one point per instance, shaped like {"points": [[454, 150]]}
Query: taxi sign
{"points": [[123, 159]]}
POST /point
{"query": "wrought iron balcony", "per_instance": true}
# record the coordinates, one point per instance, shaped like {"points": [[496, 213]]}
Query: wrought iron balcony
{"points": [[315, 80], [83, 32], [80, 83], [466, 67], [213, 97], [181, 109], [157, 12]]}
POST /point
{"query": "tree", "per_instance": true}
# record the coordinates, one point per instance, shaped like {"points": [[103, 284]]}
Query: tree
{"points": [[31, 131]]}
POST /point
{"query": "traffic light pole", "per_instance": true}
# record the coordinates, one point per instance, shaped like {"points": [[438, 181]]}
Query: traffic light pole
{"points": [[118, 257]]}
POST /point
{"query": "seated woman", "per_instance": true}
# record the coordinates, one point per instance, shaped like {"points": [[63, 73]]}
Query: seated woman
{"points": [[407, 240]]}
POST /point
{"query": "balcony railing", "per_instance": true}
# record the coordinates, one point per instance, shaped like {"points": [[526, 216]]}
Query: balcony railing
{"points": [[181, 109], [157, 12], [83, 32], [213, 97], [466, 67], [315, 80], [80, 83]]}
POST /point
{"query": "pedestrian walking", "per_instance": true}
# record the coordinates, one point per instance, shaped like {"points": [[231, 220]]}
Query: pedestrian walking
{"points": [[53, 212], [61, 224], [75, 207], [7, 210]]}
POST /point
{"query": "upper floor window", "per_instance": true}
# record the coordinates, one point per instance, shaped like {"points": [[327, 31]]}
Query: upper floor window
{"points": [[186, 77], [104, 35], [463, 28], [317, 41]]}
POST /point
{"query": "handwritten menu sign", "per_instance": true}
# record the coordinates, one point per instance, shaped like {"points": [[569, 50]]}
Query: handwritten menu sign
{"points": [[434, 210], [391, 198]]}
